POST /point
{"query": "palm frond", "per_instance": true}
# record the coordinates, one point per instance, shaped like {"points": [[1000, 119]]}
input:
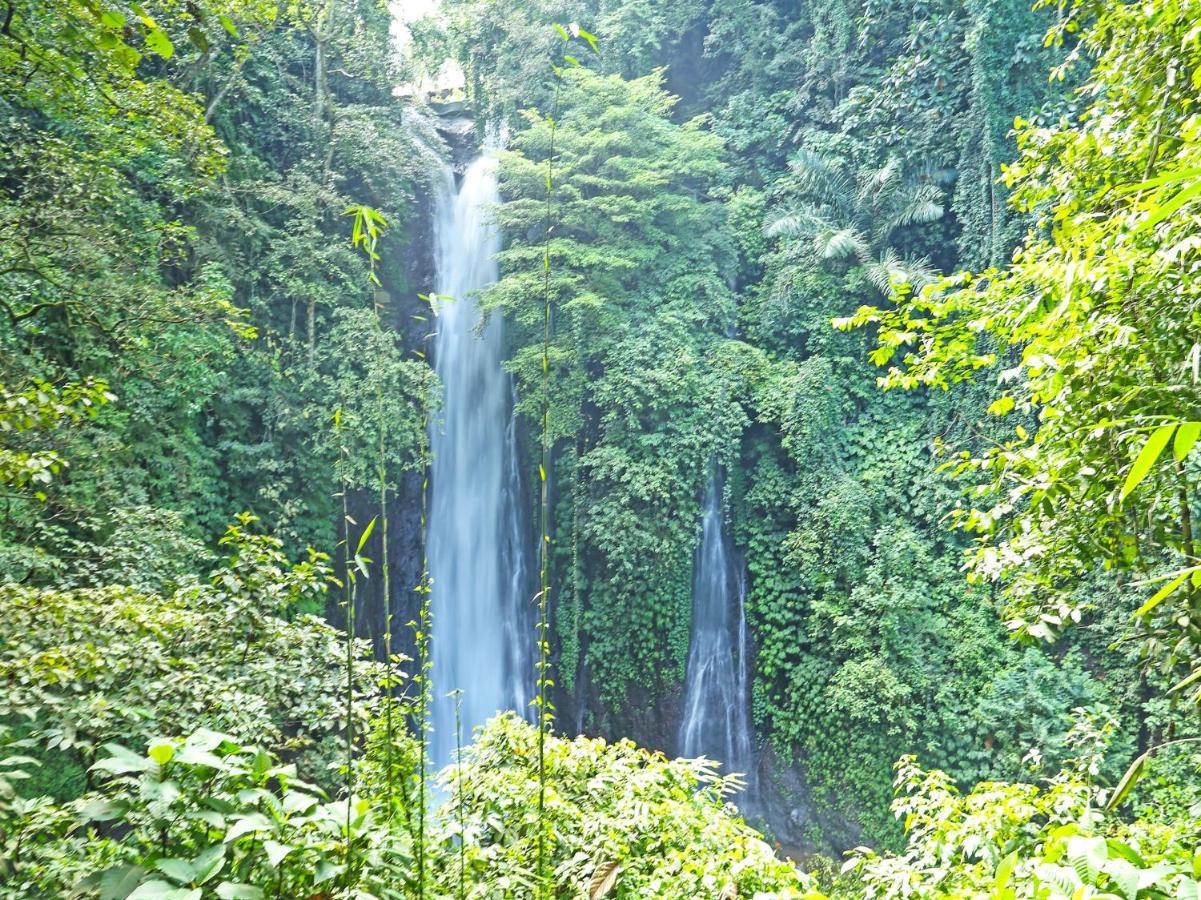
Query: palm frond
{"points": [[842, 244], [799, 221], [891, 268], [912, 204], [823, 177], [878, 182]]}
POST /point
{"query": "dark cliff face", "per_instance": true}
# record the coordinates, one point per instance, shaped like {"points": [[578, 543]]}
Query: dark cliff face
{"points": [[457, 127], [407, 269]]}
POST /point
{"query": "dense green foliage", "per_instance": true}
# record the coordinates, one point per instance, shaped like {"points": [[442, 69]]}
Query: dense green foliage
{"points": [[653, 827], [96, 665], [1010, 840], [212, 815], [637, 266], [174, 227], [844, 149]]}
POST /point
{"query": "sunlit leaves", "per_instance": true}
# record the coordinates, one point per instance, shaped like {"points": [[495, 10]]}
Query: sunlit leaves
{"points": [[626, 821], [158, 42], [1095, 323], [369, 225], [117, 674]]}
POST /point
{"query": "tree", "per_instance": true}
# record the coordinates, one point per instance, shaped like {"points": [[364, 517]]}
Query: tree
{"points": [[640, 397], [1092, 332], [855, 221]]}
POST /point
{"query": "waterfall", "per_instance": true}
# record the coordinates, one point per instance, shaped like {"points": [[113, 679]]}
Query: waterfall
{"points": [[482, 639], [716, 722]]}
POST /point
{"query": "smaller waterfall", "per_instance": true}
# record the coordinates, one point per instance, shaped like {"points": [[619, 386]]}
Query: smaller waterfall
{"points": [[716, 721]]}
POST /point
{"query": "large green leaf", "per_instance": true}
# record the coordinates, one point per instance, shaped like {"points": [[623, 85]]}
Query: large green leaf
{"points": [[1164, 210], [161, 890], [230, 890], [1162, 594], [158, 42], [122, 761], [1186, 437], [1146, 458]]}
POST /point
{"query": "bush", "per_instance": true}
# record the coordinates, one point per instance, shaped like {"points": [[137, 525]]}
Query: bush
{"points": [[620, 821], [92, 666]]}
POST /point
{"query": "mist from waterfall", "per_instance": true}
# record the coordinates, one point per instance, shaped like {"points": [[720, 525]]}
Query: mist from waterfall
{"points": [[716, 720], [482, 636]]}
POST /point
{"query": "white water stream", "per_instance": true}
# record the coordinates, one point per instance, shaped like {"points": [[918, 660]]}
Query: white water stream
{"points": [[482, 637], [716, 722]]}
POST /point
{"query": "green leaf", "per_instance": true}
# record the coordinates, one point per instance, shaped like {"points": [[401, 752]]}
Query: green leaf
{"points": [[179, 870], [1160, 180], [276, 851], [1146, 458], [1004, 874], [119, 882], [1186, 681], [230, 890], [208, 863], [228, 24], [1162, 594], [1162, 211], [162, 753], [366, 534], [1118, 850], [1123, 875], [325, 871], [122, 761], [198, 39], [1087, 855], [103, 810], [298, 802], [161, 890], [1126, 784], [252, 823], [1186, 437], [1000, 406], [158, 42]]}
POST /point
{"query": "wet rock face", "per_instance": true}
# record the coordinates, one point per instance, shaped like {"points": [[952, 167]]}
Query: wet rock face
{"points": [[456, 126], [451, 108], [785, 806], [407, 270]]}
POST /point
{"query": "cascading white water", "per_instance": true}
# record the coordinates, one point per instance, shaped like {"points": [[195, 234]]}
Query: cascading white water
{"points": [[481, 640], [715, 722]]}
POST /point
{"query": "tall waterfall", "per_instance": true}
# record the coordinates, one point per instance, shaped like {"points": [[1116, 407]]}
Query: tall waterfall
{"points": [[716, 722], [482, 639]]}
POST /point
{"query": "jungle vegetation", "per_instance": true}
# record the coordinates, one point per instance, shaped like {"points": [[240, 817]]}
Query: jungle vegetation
{"points": [[923, 279]]}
